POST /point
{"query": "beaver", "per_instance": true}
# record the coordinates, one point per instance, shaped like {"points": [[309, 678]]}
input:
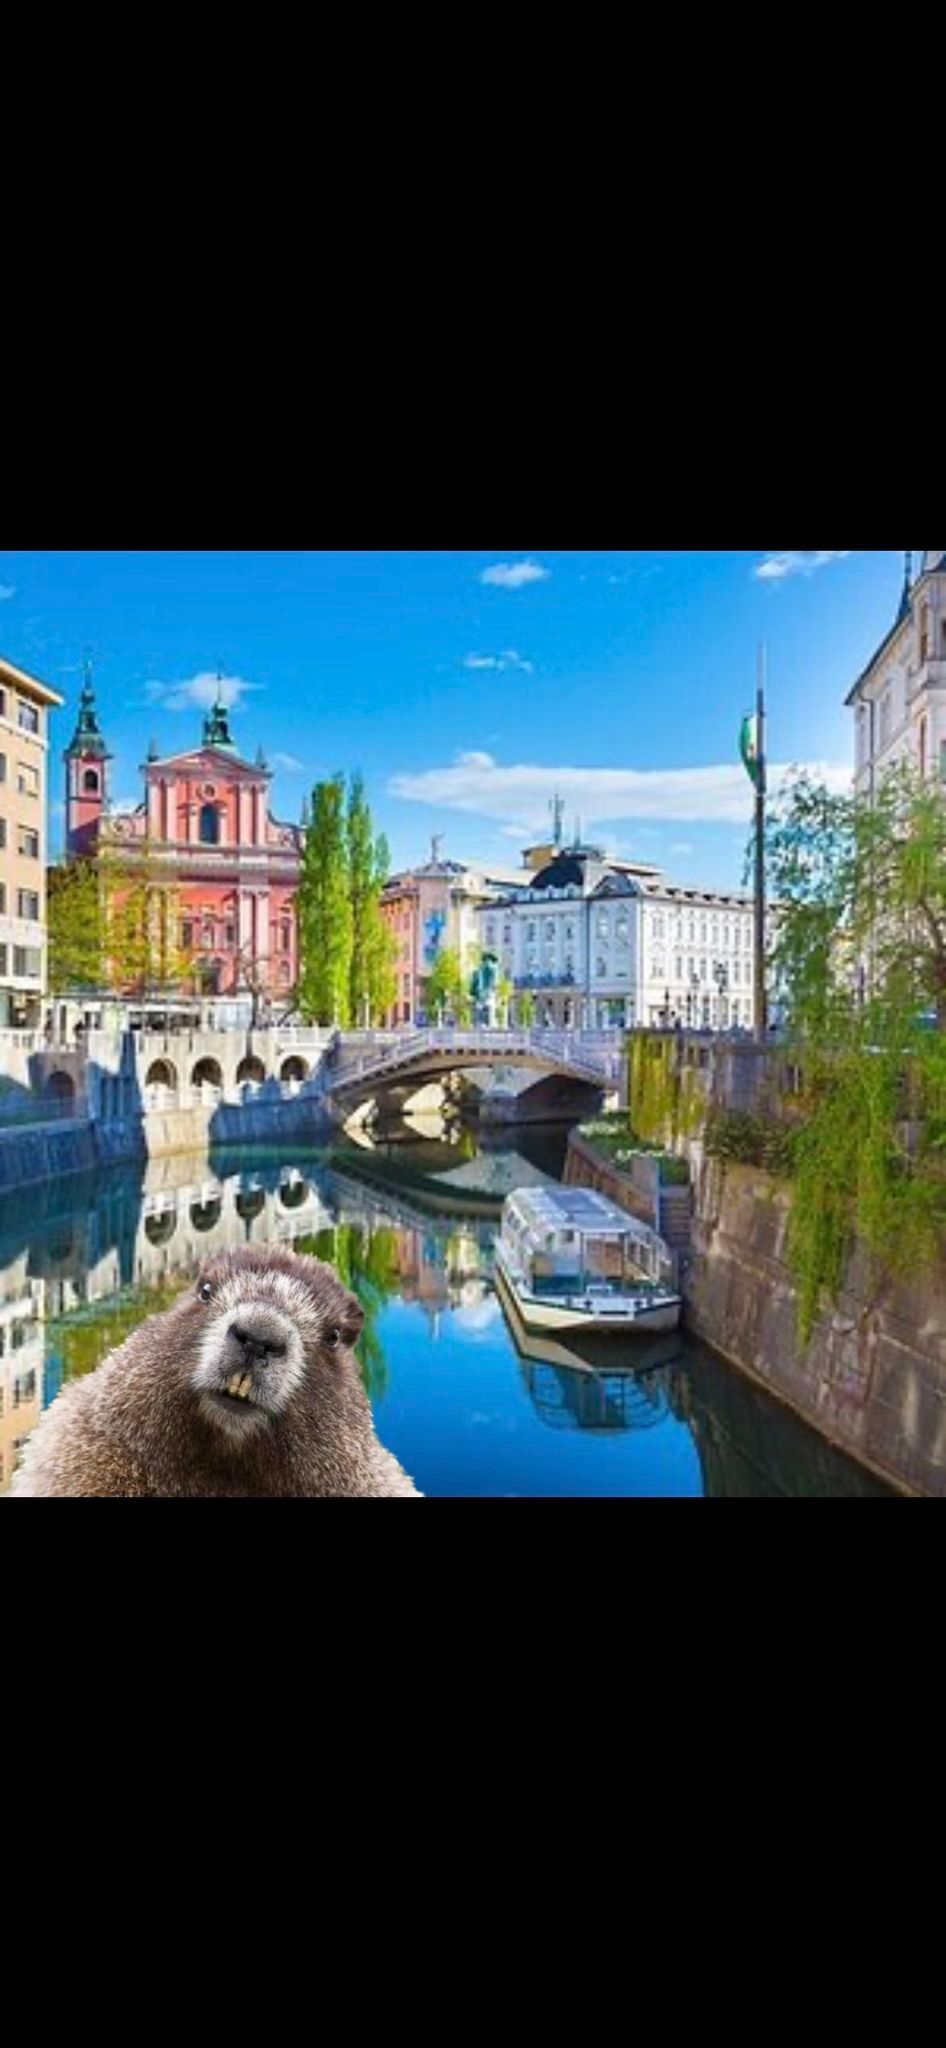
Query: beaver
{"points": [[246, 1388]]}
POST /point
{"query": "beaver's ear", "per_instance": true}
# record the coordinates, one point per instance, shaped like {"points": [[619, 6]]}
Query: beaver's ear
{"points": [[353, 1321]]}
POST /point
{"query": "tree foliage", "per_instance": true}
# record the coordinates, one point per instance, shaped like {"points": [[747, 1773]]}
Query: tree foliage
{"points": [[347, 950], [861, 960], [141, 911], [76, 929], [326, 925], [448, 995]]}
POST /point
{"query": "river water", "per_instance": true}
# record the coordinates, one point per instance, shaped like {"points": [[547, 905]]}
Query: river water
{"points": [[469, 1409]]}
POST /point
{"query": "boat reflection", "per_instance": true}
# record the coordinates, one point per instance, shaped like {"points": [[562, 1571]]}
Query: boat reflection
{"points": [[591, 1383]]}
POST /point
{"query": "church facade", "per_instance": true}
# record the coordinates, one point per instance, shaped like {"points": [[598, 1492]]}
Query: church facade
{"points": [[899, 702], [204, 827]]}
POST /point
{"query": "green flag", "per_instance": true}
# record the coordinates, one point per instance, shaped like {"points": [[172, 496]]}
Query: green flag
{"points": [[751, 750]]}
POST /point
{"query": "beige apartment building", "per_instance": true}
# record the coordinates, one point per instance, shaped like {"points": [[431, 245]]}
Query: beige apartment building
{"points": [[25, 705]]}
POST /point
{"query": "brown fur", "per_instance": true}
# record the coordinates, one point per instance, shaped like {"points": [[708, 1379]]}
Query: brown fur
{"points": [[136, 1429]]}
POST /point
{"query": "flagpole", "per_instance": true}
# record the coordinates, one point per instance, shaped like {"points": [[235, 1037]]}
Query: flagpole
{"points": [[761, 920]]}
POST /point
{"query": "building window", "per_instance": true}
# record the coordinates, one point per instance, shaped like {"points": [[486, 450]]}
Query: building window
{"points": [[209, 825], [287, 938], [4, 956], [3, 703], [27, 779], [28, 905], [29, 718], [28, 844], [231, 934], [3, 835], [27, 964], [3, 767], [90, 782]]}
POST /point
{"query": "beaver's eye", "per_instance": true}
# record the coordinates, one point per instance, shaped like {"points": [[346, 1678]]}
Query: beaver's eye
{"points": [[205, 1292], [333, 1338]]}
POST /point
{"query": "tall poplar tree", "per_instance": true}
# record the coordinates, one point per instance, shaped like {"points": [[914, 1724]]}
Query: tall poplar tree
{"points": [[373, 981], [76, 929], [326, 926]]}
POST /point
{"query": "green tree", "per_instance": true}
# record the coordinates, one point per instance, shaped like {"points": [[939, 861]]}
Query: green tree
{"points": [[861, 965], [528, 1011], [326, 926], [373, 981], [141, 912], [447, 993], [76, 929]]}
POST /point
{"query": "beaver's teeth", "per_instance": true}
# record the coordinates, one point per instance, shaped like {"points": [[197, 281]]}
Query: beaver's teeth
{"points": [[247, 1387], [233, 1387]]}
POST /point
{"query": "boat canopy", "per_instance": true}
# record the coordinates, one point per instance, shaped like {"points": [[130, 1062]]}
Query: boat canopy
{"points": [[575, 1234]]}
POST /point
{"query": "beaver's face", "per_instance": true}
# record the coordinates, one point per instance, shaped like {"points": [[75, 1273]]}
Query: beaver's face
{"points": [[263, 1330]]}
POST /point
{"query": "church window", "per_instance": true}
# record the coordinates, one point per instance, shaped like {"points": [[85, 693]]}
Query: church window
{"points": [[210, 825], [287, 938], [90, 782], [231, 935], [187, 936]]}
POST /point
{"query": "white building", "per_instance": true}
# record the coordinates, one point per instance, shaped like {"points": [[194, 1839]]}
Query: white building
{"points": [[598, 943], [899, 702]]}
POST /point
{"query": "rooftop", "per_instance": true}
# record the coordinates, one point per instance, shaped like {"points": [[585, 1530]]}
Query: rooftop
{"points": [[19, 679]]}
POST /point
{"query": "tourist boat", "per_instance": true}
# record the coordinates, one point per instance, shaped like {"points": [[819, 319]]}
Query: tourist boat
{"points": [[570, 1260]]}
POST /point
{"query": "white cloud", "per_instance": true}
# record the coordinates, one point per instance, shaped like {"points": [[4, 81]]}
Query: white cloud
{"points": [[7, 590], [518, 798], [515, 575], [288, 764], [201, 692], [510, 658], [799, 562]]}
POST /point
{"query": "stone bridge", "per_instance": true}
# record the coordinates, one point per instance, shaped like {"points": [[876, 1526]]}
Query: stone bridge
{"points": [[360, 1070], [113, 1077]]}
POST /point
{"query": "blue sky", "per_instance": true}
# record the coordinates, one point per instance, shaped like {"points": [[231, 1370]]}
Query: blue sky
{"points": [[468, 683]]}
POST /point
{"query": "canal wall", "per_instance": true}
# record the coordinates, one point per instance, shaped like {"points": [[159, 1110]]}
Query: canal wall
{"points": [[873, 1377], [51, 1151]]}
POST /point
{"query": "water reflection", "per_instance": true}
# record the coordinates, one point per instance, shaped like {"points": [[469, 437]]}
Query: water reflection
{"points": [[470, 1405]]}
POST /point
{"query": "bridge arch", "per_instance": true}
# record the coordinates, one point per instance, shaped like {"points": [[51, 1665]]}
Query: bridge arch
{"points": [[294, 1071], [208, 1073], [159, 1230], [205, 1216], [162, 1074], [60, 1088], [251, 1073]]}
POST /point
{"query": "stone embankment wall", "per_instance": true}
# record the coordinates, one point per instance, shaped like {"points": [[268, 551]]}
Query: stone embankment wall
{"points": [[872, 1379]]}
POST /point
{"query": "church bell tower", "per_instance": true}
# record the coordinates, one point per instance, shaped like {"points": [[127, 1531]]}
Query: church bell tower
{"points": [[87, 762]]}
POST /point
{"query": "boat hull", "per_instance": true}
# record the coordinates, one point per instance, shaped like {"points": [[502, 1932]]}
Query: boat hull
{"points": [[572, 1317]]}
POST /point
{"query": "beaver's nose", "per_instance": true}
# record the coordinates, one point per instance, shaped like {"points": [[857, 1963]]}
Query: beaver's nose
{"points": [[258, 1346]]}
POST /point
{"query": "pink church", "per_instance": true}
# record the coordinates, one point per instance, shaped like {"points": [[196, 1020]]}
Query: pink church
{"points": [[205, 818]]}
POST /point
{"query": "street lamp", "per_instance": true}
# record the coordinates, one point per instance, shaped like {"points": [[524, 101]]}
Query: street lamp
{"points": [[721, 978]]}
